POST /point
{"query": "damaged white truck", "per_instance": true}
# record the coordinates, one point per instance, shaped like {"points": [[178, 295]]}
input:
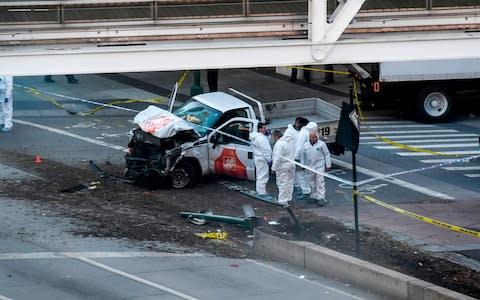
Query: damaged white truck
{"points": [[208, 134]]}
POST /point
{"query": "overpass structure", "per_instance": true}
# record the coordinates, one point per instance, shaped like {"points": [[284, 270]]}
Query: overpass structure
{"points": [[98, 36]]}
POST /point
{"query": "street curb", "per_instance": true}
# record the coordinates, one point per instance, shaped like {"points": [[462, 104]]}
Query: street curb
{"points": [[318, 259]]}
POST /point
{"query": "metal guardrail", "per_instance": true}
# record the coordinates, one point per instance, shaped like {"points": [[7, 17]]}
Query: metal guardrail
{"points": [[144, 11], [66, 12]]}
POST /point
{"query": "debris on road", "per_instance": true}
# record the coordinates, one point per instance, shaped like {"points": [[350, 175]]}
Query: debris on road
{"points": [[75, 188], [93, 185], [219, 235]]}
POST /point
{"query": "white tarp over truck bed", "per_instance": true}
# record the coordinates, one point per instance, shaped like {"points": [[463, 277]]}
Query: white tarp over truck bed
{"points": [[429, 70]]}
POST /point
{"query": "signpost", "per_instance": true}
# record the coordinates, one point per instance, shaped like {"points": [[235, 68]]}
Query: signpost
{"points": [[348, 135]]}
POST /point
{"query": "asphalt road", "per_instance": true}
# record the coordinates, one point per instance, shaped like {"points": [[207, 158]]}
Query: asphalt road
{"points": [[39, 258]]}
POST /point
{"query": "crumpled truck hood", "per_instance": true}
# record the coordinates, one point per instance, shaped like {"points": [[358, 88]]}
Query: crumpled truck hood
{"points": [[161, 123]]}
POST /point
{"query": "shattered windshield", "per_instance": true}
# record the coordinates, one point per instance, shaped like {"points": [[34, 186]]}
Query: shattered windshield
{"points": [[200, 115]]}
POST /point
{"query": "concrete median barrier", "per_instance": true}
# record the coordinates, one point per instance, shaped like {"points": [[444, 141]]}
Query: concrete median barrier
{"points": [[380, 280]]}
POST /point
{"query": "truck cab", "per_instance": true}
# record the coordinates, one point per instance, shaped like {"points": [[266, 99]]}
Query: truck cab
{"points": [[216, 143], [224, 123]]}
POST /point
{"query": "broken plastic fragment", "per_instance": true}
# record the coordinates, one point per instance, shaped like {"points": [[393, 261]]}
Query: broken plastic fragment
{"points": [[220, 235]]}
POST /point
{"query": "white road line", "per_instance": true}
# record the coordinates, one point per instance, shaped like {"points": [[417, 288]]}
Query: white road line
{"points": [[409, 131], [424, 141], [399, 126], [388, 122], [466, 168], [472, 175], [5, 298], [395, 181], [392, 137], [432, 146], [125, 254], [439, 161], [136, 278], [310, 281], [72, 135], [444, 152]]}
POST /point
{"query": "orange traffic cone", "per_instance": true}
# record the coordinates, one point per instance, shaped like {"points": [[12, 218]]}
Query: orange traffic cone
{"points": [[38, 159]]}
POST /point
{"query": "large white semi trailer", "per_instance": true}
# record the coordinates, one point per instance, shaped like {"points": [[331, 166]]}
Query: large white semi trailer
{"points": [[428, 88]]}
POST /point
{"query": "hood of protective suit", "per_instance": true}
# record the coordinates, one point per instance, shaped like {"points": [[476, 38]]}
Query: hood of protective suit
{"points": [[290, 134], [311, 126]]}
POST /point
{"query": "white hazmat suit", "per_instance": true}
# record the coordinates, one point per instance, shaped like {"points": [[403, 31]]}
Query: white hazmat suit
{"points": [[285, 169], [6, 88], [302, 138], [262, 156], [317, 157]]}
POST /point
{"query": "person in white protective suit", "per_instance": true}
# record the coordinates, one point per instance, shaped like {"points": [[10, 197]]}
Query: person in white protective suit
{"points": [[6, 88], [315, 155], [301, 181], [262, 157], [283, 165], [295, 129]]}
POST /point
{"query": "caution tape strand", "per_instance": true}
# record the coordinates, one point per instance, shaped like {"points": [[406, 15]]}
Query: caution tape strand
{"points": [[420, 217]]}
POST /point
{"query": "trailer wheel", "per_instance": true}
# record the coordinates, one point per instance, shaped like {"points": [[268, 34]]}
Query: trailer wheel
{"points": [[434, 103], [184, 176]]}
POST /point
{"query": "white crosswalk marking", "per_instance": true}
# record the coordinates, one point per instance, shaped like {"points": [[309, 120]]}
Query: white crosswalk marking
{"points": [[393, 137], [466, 168], [472, 175], [424, 141], [464, 152], [437, 161], [432, 146], [398, 126], [411, 131], [425, 136]]}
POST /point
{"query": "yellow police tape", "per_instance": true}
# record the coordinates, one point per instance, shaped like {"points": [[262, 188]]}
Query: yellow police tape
{"points": [[420, 217], [47, 98], [95, 109], [319, 70]]}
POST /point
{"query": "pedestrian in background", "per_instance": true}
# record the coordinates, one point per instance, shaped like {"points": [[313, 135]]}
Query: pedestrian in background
{"points": [[328, 75], [262, 157], [306, 74], [6, 96], [283, 165], [212, 79], [315, 155], [70, 78]]}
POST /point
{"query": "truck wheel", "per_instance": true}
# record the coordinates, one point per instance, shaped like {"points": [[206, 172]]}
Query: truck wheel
{"points": [[184, 176], [434, 103]]}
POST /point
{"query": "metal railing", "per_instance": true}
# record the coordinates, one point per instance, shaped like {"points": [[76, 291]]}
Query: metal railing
{"points": [[71, 12]]}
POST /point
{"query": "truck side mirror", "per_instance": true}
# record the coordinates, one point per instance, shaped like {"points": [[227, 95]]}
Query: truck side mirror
{"points": [[214, 140]]}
